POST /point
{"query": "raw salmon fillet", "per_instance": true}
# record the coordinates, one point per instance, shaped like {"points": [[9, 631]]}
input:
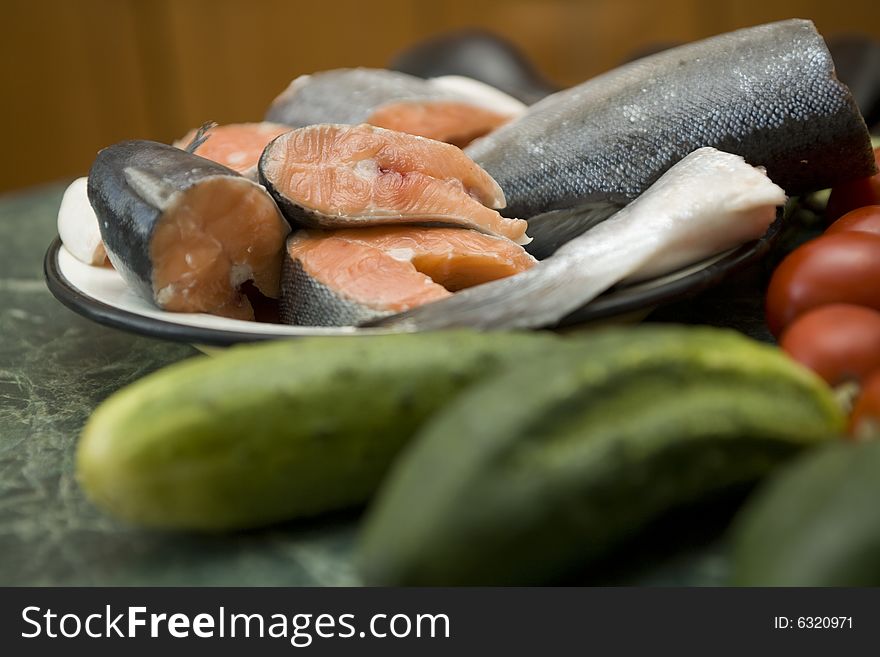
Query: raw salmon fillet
{"points": [[341, 176], [343, 277]]}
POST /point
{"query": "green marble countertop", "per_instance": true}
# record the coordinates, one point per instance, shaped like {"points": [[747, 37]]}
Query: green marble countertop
{"points": [[55, 367]]}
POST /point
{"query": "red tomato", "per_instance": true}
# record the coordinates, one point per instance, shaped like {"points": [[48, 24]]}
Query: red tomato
{"points": [[838, 342], [841, 268], [863, 220], [865, 417], [854, 193]]}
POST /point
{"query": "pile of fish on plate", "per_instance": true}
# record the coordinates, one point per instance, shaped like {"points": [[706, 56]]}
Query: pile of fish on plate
{"points": [[377, 197]]}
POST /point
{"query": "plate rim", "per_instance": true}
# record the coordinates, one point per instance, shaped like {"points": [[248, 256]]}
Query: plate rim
{"points": [[609, 305], [617, 302], [119, 318]]}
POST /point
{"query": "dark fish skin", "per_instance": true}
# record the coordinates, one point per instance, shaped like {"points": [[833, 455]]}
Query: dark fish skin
{"points": [[127, 216], [296, 215], [767, 93], [308, 302], [480, 55], [857, 59]]}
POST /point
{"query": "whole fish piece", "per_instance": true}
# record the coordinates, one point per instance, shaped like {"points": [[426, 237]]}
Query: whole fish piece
{"points": [[444, 109], [185, 232], [707, 203], [767, 93]]}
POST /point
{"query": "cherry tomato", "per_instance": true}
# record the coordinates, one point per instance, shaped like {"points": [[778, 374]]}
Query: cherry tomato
{"points": [[838, 342], [863, 220], [865, 418], [855, 193], [841, 268]]}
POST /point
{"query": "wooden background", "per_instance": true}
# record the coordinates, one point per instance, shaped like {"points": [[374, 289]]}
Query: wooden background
{"points": [[80, 74]]}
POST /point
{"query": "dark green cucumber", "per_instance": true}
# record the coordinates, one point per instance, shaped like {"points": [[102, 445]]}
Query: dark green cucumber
{"points": [[816, 523], [265, 433], [550, 465]]}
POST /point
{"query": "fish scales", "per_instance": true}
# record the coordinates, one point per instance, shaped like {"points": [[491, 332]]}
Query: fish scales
{"points": [[767, 93]]}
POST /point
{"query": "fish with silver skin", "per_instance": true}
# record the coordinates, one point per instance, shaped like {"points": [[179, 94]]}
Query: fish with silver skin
{"points": [[451, 108], [185, 232], [350, 95], [707, 203], [767, 93]]}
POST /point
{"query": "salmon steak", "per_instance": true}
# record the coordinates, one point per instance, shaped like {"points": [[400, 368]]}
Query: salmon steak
{"points": [[185, 232], [453, 109], [346, 277], [235, 145], [342, 176]]}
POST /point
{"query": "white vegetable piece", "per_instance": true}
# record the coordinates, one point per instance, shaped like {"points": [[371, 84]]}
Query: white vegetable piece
{"points": [[78, 225]]}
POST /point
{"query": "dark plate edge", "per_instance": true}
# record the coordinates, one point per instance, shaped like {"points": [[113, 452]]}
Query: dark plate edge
{"points": [[612, 304], [622, 301], [107, 315]]}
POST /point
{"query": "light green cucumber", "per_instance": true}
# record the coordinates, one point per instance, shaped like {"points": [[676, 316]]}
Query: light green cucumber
{"points": [[816, 523], [550, 465], [275, 431]]}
